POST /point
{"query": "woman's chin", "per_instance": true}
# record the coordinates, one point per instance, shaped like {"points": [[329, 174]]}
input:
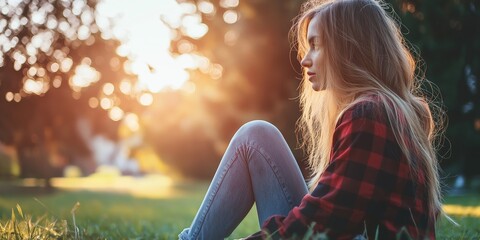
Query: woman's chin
{"points": [[318, 87]]}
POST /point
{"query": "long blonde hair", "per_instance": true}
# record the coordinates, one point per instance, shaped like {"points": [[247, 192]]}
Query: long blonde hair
{"points": [[366, 54]]}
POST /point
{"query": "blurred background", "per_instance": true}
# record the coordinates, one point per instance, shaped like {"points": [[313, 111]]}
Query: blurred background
{"points": [[135, 88]]}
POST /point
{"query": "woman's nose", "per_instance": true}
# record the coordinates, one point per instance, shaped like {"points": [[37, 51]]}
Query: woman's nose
{"points": [[306, 62]]}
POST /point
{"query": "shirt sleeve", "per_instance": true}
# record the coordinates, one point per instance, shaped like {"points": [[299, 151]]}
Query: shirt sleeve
{"points": [[363, 168]]}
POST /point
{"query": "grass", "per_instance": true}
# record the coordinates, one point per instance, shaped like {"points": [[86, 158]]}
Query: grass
{"points": [[21, 226], [104, 215]]}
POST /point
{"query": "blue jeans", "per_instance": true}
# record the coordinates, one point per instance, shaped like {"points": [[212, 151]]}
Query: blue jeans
{"points": [[259, 167]]}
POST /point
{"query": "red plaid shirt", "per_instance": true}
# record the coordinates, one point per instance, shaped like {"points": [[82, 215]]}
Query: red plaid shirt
{"points": [[367, 186]]}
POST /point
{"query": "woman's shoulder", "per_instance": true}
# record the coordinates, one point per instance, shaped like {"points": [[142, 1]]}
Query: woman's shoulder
{"points": [[369, 115], [370, 107]]}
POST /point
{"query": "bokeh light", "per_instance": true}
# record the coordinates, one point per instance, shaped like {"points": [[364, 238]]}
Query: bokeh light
{"points": [[66, 64], [37, 87], [17, 97], [231, 37], [116, 114], [84, 76], [125, 87], [57, 82], [229, 3], [146, 99], [131, 121], [54, 67], [108, 88], [9, 96], [206, 7], [93, 102], [230, 16], [106, 103]]}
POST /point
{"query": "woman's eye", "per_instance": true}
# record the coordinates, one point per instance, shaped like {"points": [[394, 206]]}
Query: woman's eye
{"points": [[315, 46]]}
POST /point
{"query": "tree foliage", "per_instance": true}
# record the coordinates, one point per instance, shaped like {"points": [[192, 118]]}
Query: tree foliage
{"points": [[44, 46], [446, 33]]}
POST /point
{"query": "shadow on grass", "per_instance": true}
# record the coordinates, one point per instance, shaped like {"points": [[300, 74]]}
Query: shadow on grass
{"points": [[17, 188]]}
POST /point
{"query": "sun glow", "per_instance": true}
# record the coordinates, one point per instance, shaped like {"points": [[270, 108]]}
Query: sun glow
{"points": [[145, 33]]}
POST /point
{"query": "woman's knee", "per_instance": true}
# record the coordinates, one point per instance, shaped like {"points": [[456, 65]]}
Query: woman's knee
{"points": [[259, 129]]}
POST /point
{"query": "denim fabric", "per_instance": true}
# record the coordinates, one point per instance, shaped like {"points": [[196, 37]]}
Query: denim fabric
{"points": [[258, 167]]}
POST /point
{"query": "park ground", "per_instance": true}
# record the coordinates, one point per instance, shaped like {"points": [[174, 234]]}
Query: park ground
{"points": [[154, 207]]}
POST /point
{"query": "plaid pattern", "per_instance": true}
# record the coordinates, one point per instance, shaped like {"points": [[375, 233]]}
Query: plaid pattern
{"points": [[367, 186]]}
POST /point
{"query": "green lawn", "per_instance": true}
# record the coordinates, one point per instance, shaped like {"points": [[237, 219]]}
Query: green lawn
{"points": [[122, 216]]}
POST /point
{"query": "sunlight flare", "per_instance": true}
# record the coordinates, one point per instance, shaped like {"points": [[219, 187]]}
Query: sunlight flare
{"points": [[462, 210], [144, 31], [148, 186]]}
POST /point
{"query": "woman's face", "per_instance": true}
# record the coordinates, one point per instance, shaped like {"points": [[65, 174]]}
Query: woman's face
{"points": [[314, 60]]}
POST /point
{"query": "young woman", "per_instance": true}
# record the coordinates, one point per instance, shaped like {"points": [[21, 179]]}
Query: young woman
{"points": [[368, 131]]}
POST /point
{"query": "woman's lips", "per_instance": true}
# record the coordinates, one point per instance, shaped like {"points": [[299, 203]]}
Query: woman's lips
{"points": [[311, 75]]}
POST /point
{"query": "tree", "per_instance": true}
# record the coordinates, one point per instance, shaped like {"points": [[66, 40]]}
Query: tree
{"points": [[51, 52], [446, 33]]}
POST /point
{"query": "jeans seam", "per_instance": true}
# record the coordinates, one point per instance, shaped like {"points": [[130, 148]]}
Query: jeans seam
{"points": [[215, 191], [274, 168]]}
